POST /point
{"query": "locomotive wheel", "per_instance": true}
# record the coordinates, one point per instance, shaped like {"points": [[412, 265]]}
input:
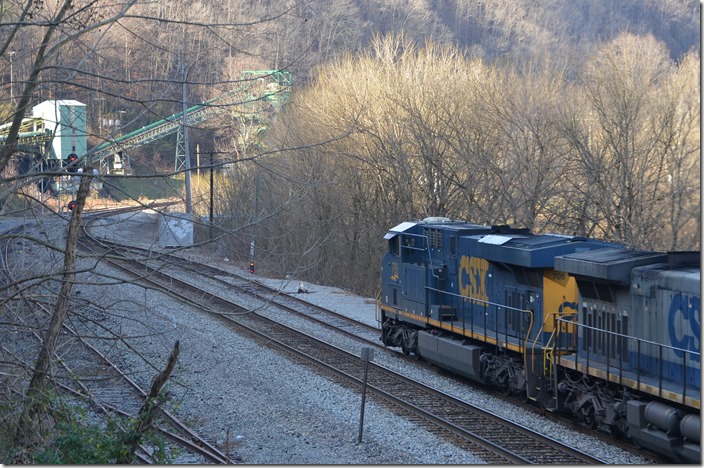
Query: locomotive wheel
{"points": [[506, 387], [385, 339], [589, 417]]}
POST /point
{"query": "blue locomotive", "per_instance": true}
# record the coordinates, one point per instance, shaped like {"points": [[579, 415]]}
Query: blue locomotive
{"points": [[608, 334]]}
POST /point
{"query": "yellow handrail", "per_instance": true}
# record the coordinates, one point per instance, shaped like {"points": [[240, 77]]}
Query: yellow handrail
{"points": [[549, 348]]}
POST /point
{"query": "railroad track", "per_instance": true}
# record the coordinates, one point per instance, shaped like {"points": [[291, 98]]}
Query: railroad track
{"points": [[259, 296], [82, 370], [249, 285], [496, 440], [114, 392]]}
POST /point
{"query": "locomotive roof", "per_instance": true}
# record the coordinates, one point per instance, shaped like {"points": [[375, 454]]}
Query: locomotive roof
{"points": [[436, 222], [529, 250], [447, 223], [680, 273], [666, 276], [611, 264]]}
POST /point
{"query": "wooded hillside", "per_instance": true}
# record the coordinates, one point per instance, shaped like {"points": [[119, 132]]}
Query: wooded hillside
{"points": [[574, 117]]}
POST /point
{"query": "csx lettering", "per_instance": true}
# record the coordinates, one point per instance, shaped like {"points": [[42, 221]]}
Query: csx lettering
{"points": [[685, 312], [473, 273]]}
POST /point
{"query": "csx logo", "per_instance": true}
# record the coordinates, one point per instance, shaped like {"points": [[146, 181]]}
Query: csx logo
{"points": [[684, 325], [473, 273]]}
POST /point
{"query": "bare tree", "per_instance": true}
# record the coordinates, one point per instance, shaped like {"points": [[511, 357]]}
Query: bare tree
{"points": [[58, 317], [66, 14], [680, 118], [527, 164], [397, 131], [425, 131], [75, 39], [618, 138]]}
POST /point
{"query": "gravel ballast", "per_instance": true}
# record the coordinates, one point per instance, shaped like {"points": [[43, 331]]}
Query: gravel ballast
{"points": [[262, 408]]}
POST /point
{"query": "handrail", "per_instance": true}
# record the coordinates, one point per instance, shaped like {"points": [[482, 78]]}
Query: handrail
{"points": [[28, 124], [524, 312], [30, 135], [640, 343], [549, 348], [609, 332]]}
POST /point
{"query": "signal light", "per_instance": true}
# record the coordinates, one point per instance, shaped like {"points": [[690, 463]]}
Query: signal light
{"points": [[71, 205], [251, 267], [72, 158]]}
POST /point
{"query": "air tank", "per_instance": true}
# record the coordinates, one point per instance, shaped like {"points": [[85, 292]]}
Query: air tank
{"points": [[664, 417], [691, 427]]}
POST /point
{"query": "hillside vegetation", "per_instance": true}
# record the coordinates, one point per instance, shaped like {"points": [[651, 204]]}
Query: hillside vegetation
{"points": [[574, 117]]}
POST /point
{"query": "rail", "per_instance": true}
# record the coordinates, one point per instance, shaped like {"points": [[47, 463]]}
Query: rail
{"points": [[497, 440]]}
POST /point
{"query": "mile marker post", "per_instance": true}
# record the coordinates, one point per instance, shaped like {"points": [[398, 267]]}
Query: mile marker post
{"points": [[367, 355]]}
